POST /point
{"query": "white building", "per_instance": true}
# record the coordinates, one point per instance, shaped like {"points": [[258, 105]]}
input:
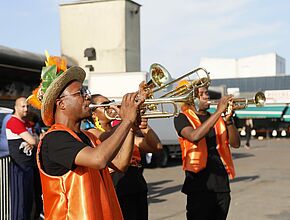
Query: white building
{"points": [[102, 36], [254, 66]]}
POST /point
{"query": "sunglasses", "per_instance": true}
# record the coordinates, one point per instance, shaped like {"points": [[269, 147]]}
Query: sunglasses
{"points": [[85, 93], [107, 102], [103, 103]]}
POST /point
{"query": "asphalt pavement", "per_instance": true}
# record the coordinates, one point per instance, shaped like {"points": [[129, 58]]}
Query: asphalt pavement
{"points": [[260, 190]]}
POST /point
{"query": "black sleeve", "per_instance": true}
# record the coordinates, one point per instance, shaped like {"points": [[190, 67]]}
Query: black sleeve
{"points": [[181, 122], [62, 148]]}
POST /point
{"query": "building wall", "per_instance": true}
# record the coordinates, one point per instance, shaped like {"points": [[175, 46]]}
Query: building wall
{"points": [[254, 66], [132, 30], [109, 27], [254, 84], [261, 65], [280, 65], [219, 68]]}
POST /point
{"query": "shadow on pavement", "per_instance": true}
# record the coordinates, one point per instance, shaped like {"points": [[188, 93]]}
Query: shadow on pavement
{"points": [[284, 215], [241, 155], [244, 178], [156, 190]]}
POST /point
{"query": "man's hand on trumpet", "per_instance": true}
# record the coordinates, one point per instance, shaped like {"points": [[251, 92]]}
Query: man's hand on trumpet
{"points": [[223, 103], [130, 107], [226, 107], [229, 111], [144, 91], [231, 106]]}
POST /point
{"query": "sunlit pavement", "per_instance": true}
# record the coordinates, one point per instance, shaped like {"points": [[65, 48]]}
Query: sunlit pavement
{"points": [[260, 191]]}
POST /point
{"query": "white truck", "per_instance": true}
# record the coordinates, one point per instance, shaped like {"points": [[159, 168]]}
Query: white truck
{"points": [[115, 85]]}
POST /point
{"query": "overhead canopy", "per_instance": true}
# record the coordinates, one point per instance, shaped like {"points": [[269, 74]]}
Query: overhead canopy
{"points": [[286, 116], [261, 112], [21, 60], [275, 111]]}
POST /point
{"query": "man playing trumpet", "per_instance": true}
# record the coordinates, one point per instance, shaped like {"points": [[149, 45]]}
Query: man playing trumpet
{"points": [[205, 139], [73, 163]]}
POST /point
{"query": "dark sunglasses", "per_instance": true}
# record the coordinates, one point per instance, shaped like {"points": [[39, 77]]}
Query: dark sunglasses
{"points": [[107, 102], [84, 92], [103, 103]]}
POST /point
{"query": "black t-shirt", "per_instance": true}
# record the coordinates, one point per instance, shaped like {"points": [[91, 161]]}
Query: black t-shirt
{"points": [[214, 177], [58, 151]]}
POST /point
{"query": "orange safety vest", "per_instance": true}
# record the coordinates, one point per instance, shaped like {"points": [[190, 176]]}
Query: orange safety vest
{"points": [[194, 156], [136, 157], [84, 193]]}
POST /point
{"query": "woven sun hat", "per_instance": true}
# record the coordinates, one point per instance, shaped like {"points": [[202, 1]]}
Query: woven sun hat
{"points": [[55, 88], [54, 78]]}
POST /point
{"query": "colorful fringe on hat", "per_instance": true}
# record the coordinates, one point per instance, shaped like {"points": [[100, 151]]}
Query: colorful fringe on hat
{"points": [[55, 66]]}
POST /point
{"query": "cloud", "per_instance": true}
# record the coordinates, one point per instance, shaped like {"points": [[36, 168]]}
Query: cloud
{"points": [[183, 31]]}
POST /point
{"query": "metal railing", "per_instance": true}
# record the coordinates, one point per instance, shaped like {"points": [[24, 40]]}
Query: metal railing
{"points": [[5, 206]]}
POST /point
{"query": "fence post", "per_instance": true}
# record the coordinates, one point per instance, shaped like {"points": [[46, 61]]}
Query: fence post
{"points": [[5, 195]]}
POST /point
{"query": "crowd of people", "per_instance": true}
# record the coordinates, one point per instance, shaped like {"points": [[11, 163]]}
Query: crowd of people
{"points": [[96, 172]]}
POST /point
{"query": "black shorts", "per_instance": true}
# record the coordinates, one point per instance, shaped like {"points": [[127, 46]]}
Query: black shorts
{"points": [[207, 205]]}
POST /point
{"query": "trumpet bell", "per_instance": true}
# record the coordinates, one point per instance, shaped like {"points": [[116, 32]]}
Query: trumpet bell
{"points": [[260, 99], [160, 76]]}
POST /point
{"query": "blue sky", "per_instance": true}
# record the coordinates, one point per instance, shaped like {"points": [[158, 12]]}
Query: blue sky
{"points": [[175, 33]]}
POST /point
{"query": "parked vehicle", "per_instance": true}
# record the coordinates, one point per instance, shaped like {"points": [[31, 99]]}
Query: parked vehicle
{"points": [[5, 114]]}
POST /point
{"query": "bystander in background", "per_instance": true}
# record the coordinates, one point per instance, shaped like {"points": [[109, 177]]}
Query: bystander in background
{"points": [[249, 126], [21, 145]]}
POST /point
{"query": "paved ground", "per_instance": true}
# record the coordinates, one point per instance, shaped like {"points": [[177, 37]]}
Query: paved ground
{"points": [[260, 191]]}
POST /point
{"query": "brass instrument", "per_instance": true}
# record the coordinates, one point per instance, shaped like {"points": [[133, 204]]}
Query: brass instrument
{"points": [[162, 79], [173, 101], [241, 103]]}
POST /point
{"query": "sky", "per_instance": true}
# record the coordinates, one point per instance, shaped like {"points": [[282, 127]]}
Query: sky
{"points": [[175, 33]]}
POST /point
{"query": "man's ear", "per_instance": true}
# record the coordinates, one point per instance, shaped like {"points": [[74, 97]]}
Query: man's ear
{"points": [[60, 104]]}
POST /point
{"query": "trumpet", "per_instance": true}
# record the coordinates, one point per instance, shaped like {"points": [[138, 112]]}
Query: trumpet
{"points": [[241, 103], [147, 112]]}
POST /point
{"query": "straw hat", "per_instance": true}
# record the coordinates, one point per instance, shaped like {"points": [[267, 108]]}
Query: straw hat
{"points": [[54, 90]]}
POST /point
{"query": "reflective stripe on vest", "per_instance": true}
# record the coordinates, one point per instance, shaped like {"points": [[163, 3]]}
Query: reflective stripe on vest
{"points": [[83, 193], [194, 156]]}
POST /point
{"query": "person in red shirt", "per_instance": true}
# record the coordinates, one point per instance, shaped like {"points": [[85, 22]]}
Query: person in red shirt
{"points": [[22, 152]]}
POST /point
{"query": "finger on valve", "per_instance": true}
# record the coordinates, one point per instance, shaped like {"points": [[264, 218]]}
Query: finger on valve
{"points": [[143, 91]]}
